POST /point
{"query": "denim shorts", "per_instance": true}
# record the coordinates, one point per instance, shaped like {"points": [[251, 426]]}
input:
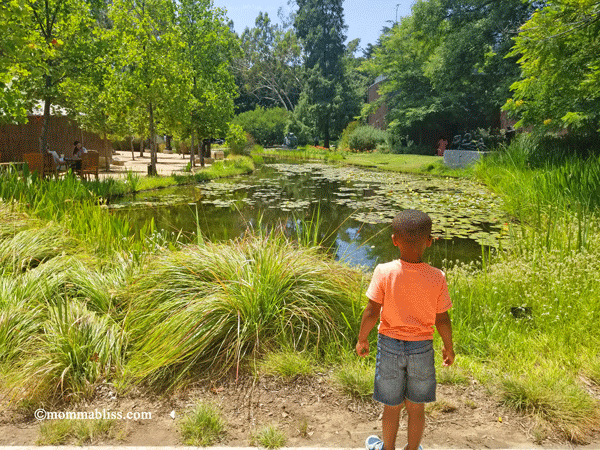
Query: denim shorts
{"points": [[404, 370]]}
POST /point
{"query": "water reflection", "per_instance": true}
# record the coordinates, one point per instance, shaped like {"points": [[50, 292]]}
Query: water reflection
{"points": [[355, 208]]}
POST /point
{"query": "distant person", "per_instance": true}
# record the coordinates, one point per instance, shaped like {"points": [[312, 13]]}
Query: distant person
{"points": [[58, 160], [442, 144], [79, 149], [410, 297]]}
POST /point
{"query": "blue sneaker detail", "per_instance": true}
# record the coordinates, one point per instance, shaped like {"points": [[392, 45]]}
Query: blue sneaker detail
{"points": [[374, 443]]}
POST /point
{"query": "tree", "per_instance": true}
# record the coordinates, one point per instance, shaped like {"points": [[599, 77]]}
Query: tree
{"points": [[209, 47], [270, 68], [146, 66], [16, 51], [559, 53], [320, 26], [86, 96], [59, 34], [445, 65]]}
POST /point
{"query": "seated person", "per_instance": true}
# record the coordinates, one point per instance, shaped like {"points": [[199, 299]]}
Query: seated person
{"points": [[60, 162], [77, 152], [79, 149]]}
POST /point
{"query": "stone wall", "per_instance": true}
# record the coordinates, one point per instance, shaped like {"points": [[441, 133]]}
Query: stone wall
{"points": [[457, 159]]}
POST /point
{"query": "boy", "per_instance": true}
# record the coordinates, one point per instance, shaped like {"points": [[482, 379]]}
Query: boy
{"points": [[411, 297]]}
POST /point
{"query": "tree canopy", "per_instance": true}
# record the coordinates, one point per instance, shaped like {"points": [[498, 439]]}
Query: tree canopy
{"points": [[326, 99], [445, 65], [559, 50], [270, 71]]}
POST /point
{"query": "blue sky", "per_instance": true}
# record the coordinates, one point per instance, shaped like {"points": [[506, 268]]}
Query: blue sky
{"points": [[365, 18]]}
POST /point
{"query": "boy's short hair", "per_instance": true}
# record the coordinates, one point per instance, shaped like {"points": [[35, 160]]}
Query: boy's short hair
{"points": [[412, 225]]}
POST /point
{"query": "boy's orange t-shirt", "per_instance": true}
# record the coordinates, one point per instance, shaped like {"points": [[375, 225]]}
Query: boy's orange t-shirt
{"points": [[411, 295]]}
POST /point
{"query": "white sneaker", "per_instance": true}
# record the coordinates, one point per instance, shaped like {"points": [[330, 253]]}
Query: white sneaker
{"points": [[374, 443]]}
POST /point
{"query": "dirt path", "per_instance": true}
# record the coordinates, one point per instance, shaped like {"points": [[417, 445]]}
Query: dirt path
{"points": [[311, 412]]}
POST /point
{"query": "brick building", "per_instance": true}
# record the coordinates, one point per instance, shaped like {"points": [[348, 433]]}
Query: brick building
{"points": [[377, 119]]}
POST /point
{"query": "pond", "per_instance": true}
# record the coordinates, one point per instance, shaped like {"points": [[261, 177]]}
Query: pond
{"points": [[355, 206]]}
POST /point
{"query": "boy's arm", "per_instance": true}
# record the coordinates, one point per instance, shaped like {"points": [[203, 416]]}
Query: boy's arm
{"points": [[444, 328], [369, 319]]}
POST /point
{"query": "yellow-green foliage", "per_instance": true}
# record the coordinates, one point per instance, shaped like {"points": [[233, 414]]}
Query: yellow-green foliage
{"points": [[203, 309]]}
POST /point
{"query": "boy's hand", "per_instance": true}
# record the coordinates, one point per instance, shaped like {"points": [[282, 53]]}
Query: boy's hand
{"points": [[448, 356], [362, 348]]}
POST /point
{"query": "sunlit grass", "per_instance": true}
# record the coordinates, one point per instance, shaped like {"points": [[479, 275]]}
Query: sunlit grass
{"points": [[268, 436], [206, 308], [427, 165], [288, 364], [203, 426], [75, 350], [80, 432], [355, 378]]}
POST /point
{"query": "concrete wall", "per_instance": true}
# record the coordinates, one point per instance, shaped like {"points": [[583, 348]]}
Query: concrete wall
{"points": [[457, 159]]}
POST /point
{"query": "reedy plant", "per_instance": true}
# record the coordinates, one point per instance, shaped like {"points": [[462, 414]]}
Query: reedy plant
{"points": [[30, 247], [205, 309], [76, 350]]}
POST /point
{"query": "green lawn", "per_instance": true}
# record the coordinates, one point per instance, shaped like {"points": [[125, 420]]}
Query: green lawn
{"points": [[403, 163]]}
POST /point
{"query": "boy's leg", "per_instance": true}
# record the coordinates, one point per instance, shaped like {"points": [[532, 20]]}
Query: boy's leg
{"points": [[416, 424], [389, 425]]}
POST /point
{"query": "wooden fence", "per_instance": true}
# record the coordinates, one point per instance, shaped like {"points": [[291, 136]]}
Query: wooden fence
{"points": [[16, 140]]}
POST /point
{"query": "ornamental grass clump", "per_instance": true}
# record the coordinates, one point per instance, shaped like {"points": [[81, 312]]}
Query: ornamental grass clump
{"points": [[75, 350], [203, 310]]}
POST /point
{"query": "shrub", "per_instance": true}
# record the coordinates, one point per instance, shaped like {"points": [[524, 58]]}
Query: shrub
{"points": [[343, 142], [266, 126], [237, 139], [366, 138]]}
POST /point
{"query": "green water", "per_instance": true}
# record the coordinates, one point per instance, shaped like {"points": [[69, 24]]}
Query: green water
{"points": [[356, 207]]}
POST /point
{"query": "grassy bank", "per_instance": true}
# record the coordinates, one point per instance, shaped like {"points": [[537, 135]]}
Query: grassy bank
{"points": [[524, 321], [84, 300], [305, 153], [71, 317], [418, 164], [233, 165]]}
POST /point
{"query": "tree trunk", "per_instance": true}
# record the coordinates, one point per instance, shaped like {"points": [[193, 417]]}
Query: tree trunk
{"points": [[132, 151], [106, 155], [45, 119], [202, 154], [152, 141], [142, 141], [192, 159]]}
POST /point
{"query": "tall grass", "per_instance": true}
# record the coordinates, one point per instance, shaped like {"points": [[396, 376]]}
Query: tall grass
{"points": [[524, 318], [76, 349], [207, 308]]}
